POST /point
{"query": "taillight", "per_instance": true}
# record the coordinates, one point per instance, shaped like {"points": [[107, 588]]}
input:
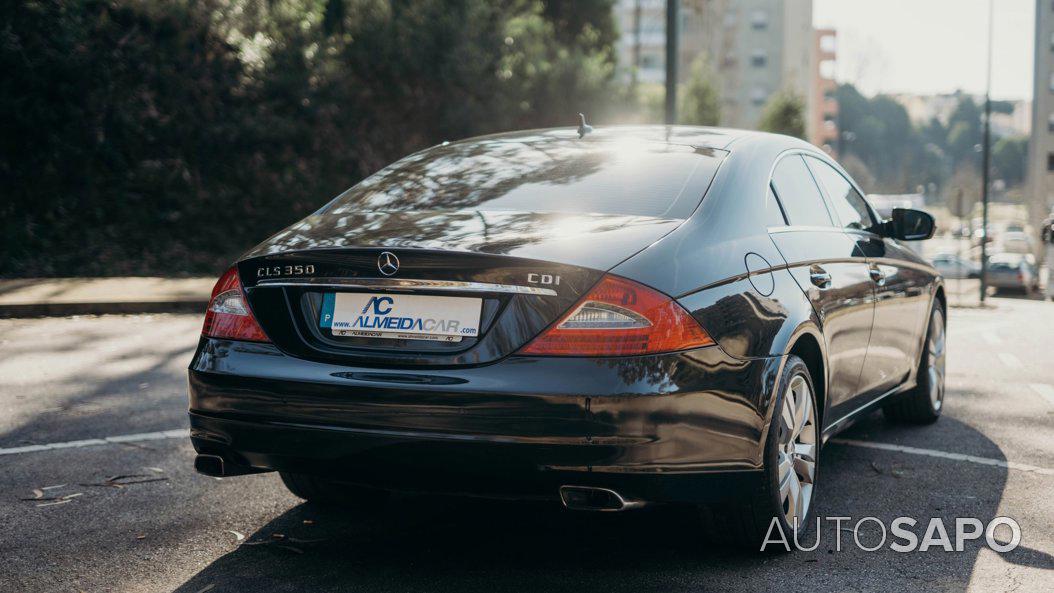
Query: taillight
{"points": [[228, 315], [620, 318]]}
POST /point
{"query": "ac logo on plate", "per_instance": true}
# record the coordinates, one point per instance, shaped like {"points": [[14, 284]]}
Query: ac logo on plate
{"points": [[377, 303]]}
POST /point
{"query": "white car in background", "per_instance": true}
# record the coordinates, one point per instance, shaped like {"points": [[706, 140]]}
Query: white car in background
{"points": [[1016, 242], [953, 267]]}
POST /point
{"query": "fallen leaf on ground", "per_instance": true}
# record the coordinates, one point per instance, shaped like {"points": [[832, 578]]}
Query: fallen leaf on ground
{"points": [[278, 540], [121, 481], [237, 535], [51, 498], [291, 548], [298, 540]]}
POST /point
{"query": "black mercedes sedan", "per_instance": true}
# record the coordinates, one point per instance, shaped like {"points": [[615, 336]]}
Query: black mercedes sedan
{"points": [[639, 315]]}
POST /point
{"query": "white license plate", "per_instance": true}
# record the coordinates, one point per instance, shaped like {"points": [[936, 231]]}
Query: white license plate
{"points": [[400, 316]]}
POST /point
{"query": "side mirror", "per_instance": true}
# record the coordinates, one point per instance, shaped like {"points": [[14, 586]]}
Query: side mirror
{"points": [[906, 224]]}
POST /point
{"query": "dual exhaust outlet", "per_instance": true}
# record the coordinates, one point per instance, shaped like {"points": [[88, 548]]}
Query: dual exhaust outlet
{"points": [[588, 498]]}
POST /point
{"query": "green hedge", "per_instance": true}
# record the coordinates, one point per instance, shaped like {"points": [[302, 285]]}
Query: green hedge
{"points": [[167, 136]]}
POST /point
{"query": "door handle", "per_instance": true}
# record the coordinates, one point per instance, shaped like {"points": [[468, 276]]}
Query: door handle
{"points": [[876, 274], [819, 277]]}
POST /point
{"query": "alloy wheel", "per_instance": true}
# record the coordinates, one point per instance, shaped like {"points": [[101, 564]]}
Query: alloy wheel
{"points": [[935, 345], [797, 451]]}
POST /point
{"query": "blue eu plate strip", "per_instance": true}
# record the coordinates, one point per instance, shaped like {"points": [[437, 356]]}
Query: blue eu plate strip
{"points": [[326, 317]]}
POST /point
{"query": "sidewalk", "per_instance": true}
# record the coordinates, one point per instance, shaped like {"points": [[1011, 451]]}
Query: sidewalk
{"points": [[36, 297], [963, 293]]}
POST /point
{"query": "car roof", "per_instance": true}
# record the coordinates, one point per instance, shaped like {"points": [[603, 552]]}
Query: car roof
{"points": [[696, 136]]}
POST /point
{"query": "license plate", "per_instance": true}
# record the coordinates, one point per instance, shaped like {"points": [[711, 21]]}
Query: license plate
{"points": [[400, 316]]}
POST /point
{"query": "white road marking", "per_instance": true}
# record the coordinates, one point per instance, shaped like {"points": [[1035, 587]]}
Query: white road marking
{"points": [[1045, 391], [1010, 360], [178, 433], [992, 338], [946, 455]]}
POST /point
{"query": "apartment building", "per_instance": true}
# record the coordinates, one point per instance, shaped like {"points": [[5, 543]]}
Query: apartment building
{"points": [[1041, 147], [823, 113], [755, 48]]}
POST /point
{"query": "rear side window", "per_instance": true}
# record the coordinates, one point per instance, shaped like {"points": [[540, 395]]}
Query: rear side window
{"points": [[848, 204], [799, 194]]}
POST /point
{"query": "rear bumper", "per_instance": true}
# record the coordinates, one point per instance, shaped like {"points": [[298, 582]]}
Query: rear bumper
{"points": [[682, 427]]}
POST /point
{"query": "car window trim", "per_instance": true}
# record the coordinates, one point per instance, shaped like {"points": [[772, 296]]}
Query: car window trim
{"points": [[779, 204], [870, 211], [801, 228], [823, 197]]}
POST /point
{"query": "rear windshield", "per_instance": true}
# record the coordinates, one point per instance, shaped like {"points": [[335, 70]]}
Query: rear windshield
{"points": [[637, 177]]}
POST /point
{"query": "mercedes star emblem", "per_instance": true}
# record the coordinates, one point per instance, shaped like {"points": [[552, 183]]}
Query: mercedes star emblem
{"points": [[387, 263]]}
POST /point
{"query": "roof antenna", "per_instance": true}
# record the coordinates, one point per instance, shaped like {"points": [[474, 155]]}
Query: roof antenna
{"points": [[583, 127]]}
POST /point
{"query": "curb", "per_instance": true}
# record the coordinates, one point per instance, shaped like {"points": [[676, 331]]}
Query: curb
{"points": [[10, 311]]}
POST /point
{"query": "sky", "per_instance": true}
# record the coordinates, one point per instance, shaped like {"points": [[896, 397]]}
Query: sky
{"points": [[931, 46]]}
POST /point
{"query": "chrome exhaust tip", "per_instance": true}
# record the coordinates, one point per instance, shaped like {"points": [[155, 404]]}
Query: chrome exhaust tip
{"points": [[218, 467], [209, 465], [588, 498]]}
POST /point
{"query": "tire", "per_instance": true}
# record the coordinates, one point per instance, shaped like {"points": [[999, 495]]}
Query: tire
{"points": [[747, 523], [323, 491], [924, 403]]}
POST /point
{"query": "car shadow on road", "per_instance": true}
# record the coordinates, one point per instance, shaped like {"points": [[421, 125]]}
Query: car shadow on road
{"points": [[419, 543]]}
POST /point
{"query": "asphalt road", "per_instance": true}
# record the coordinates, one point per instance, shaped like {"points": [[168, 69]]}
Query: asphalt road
{"points": [[75, 379]]}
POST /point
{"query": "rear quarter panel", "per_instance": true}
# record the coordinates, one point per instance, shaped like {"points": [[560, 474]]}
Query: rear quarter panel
{"points": [[722, 265]]}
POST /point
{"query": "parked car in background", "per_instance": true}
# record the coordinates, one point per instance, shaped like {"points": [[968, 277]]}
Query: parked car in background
{"points": [[1016, 242], [954, 267], [1013, 271]]}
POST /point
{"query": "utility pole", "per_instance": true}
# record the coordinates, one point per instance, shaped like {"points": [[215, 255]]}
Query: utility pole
{"points": [[636, 47], [985, 156], [672, 51]]}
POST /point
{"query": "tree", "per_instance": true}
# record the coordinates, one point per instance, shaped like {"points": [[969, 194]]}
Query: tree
{"points": [[964, 133], [858, 171], [701, 98], [1009, 157], [234, 118], [784, 114], [965, 186]]}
